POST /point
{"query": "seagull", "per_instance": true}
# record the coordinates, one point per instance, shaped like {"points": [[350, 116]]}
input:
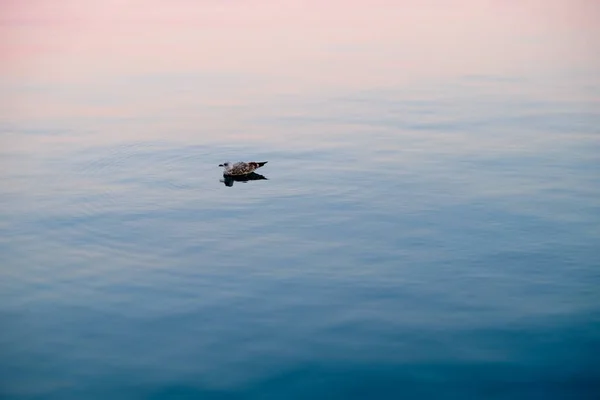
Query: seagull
{"points": [[240, 168]]}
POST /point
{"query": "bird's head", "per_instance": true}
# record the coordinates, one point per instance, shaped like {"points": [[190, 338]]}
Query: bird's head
{"points": [[225, 164]]}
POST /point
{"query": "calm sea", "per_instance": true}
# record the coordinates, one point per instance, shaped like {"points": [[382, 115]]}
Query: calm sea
{"points": [[429, 225]]}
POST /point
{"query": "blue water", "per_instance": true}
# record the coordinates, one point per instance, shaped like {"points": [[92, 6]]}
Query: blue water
{"points": [[433, 241]]}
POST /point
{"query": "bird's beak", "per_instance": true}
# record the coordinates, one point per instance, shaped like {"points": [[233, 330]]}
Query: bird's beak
{"points": [[220, 165]]}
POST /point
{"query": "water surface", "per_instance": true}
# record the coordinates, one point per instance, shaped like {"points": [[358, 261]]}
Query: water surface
{"points": [[428, 228]]}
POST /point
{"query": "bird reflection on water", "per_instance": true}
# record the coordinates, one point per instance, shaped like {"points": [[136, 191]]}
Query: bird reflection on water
{"points": [[253, 176]]}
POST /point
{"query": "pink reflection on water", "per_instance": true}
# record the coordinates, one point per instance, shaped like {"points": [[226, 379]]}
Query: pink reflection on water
{"points": [[74, 58], [314, 41]]}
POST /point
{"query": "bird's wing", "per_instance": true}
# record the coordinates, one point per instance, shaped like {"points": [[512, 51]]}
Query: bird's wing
{"points": [[241, 168]]}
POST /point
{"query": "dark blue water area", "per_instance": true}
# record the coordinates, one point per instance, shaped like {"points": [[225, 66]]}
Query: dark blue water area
{"points": [[382, 257]]}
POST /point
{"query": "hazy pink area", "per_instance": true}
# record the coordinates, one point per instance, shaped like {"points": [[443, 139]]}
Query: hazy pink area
{"points": [[78, 58], [311, 41]]}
